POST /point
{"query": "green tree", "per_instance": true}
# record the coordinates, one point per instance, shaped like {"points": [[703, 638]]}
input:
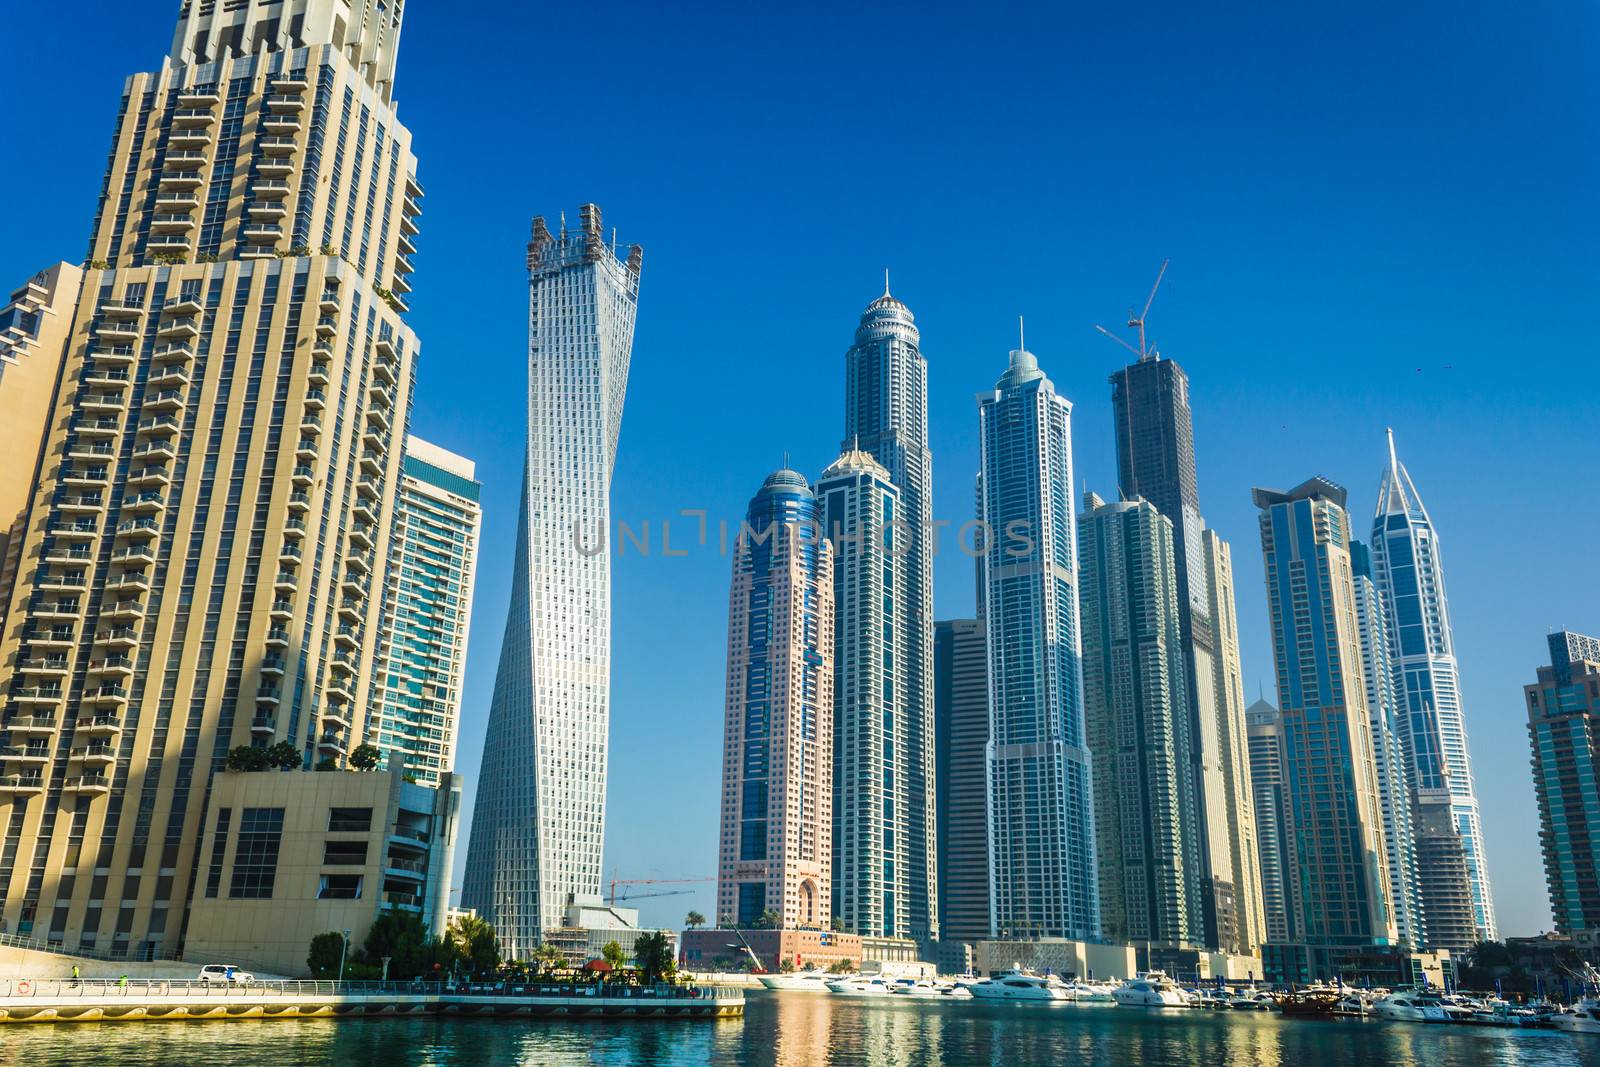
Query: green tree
{"points": [[284, 756], [247, 758], [652, 955], [769, 920], [547, 957], [838, 924], [402, 937], [323, 959], [841, 967], [365, 758], [612, 953], [473, 941], [694, 920], [786, 967]]}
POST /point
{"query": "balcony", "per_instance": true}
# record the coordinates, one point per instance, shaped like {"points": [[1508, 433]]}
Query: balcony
{"points": [[106, 696], [384, 372], [371, 462], [327, 327], [303, 475], [299, 502], [181, 179], [99, 725], [175, 352], [281, 611], [78, 530], [103, 402], [378, 417], [101, 427], [318, 374], [168, 376], [316, 399], [87, 783], [159, 426], [288, 83], [139, 529], [33, 724], [364, 510], [129, 582], [51, 638], [270, 188], [98, 753], [273, 665], [279, 167], [134, 554], [294, 527], [265, 725], [198, 97], [285, 124], [171, 223], [190, 137], [169, 242], [58, 609], [81, 502], [155, 451], [384, 347], [95, 477], [175, 201], [182, 306], [402, 265], [48, 695], [113, 665], [271, 696], [118, 637], [276, 146], [24, 784], [333, 715], [183, 161], [106, 378], [408, 225], [26, 754], [332, 743], [113, 355], [286, 581], [322, 351], [329, 302], [400, 285], [409, 205], [371, 488], [90, 451], [406, 246], [48, 667], [285, 103], [123, 610], [352, 609], [186, 328], [263, 233], [124, 330], [269, 210], [347, 636], [122, 309]]}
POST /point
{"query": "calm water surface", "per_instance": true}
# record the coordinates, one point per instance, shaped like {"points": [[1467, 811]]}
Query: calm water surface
{"points": [[794, 1029]]}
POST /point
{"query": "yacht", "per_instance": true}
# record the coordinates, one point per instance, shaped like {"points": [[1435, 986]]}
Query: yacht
{"points": [[1150, 989], [1092, 992], [1582, 1018], [863, 985], [931, 989], [1017, 984], [799, 981], [1411, 1007]]}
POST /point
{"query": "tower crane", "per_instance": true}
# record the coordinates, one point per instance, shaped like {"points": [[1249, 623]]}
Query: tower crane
{"points": [[1136, 322], [655, 881]]}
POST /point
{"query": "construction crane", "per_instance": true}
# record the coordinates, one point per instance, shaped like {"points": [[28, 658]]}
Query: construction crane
{"points": [[626, 896], [1136, 322], [656, 881]]}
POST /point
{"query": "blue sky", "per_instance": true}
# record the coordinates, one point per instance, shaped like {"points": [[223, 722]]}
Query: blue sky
{"points": [[1377, 215]]}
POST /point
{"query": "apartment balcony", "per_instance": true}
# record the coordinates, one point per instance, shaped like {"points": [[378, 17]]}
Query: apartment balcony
{"points": [[273, 665], [287, 83], [134, 555], [285, 103], [408, 225], [263, 233], [284, 124], [91, 477], [114, 330], [371, 488], [359, 560], [176, 200], [347, 636], [113, 666], [384, 347], [159, 426], [409, 205], [51, 638], [406, 246], [269, 211], [384, 372], [106, 378], [318, 374], [322, 351], [276, 146], [100, 427], [344, 693], [355, 585], [327, 327], [142, 529], [129, 582], [176, 352], [399, 285], [316, 399], [106, 696], [81, 503], [199, 98], [364, 510], [96, 754], [183, 161], [351, 609], [155, 451], [329, 302], [36, 723], [123, 637], [113, 355], [281, 611], [99, 725], [62, 583], [87, 783], [279, 167], [103, 402], [122, 309], [192, 119], [180, 179], [182, 307], [299, 502], [169, 223], [148, 503], [190, 137], [59, 609], [270, 188], [26, 754], [378, 417], [128, 610], [406, 869], [22, 784], [35, 695], [168, 376], [402, 265], [90, 450], [335, 743], [264, 725], [169, 242], [271, 697], [78, 530], [372, 462], [303, 475], [286, 581], [277, 637], [185, 328], [294, 527]]}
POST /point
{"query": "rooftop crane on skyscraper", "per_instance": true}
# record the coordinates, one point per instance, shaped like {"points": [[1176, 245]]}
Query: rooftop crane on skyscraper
{"points": [[1136, 322]]}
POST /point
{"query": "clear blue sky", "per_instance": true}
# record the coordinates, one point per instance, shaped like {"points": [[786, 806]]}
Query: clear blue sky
{"points": [[1377, 214]]}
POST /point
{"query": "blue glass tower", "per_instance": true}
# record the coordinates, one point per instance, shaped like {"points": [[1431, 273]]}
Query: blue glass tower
{"points": [[1042, 874]]}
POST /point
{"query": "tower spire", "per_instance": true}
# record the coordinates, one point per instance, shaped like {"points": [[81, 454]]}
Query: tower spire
{"points": [[1394, 463], [886, 282], [1022, 337]]}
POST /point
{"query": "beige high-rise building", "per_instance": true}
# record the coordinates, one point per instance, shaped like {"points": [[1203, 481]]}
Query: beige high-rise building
{"points": [[33, 336], [204, 560]]}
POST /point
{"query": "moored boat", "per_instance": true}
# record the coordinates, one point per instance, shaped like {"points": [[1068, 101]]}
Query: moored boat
{"points": [[799, 981], [1150, 989], [1017, 984]]}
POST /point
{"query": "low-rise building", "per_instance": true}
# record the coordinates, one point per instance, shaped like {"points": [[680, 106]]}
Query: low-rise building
{"points": [[1391, 966], [1059, 956], [724, 950], [588, 924], [288, 855]]}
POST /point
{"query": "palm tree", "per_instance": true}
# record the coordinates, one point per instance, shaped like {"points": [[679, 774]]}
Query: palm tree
{"points": [[694, 920], [473, 939]]}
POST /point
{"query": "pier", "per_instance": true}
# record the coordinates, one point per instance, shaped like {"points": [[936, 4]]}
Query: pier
{"points": [[150, 1000]]}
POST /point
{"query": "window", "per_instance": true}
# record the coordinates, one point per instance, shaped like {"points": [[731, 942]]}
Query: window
{"points": [[340, 887], [219, 846], [350, 820], [255, 859], [345, 853]]}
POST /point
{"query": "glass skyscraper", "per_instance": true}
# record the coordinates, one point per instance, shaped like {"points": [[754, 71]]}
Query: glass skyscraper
{"points": [[1409, 572], [961, 714], [1136, 700], [1564, 730], [873, 781], [1156, 462], [775, 846], [1042, 875], [886, 416], [437, 521], [1338, 883], [212, 525], [1265, 728], [539, 823]]}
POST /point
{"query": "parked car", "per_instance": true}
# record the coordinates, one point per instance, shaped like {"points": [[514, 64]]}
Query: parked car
{"points": [[226, 973]]}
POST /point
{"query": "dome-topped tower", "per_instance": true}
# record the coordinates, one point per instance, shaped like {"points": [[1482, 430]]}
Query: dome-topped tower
{"points": [[887, 317], [785, 480]]}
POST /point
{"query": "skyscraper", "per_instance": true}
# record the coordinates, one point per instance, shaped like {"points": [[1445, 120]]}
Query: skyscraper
{"points": [[430, 600], [1409, 572], [1564, 730], [1136, 707], [539, 823], [210, 536], [1042, 875], [961, 715], [1394, 792], [872, 778], [886, 415], [1156, 462], [1265, 727], [775, 851], [1338, 891]]}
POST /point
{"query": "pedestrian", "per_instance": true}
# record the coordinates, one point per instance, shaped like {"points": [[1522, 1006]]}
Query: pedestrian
{"points": [[74, 974], [123, 981]]}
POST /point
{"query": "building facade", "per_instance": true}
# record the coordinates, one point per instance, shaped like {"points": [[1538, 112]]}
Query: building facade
{"points": [[886, 415], [1409, 572], [1564, 730], [1136, 713], [205, 557], [873, 890], [1265, 727], [1339, 885], [775, 852], [34, 326], [437, 522], [1394, 792], [1042, 875], [961, 717], [1156, 462], [539, 822]]}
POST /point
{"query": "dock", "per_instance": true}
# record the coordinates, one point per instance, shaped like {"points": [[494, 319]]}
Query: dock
{"points": [[151, 1000]]}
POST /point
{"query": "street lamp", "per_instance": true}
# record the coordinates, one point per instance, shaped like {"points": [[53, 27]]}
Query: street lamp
{"points": [[344, 948]]}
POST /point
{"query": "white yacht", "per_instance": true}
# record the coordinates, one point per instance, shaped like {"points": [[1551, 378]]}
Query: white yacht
{"points": [[1092, 992], [1582, 1018], [931, 989], [1150, 989], [1409, 1006], [863, 985], [799, 981], [1017, 984]]}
